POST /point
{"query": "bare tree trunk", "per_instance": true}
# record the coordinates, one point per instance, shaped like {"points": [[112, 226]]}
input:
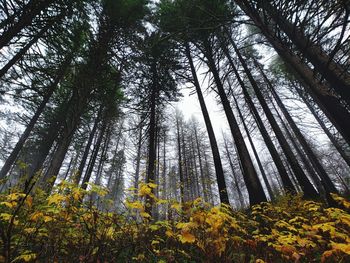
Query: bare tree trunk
{"points": [[257, 158], [326, 181], [30, 11], [180, 159], [308, 189], [234, 175], [324, 127], [87, 148], [93, 157], [19, 145], [220, 177], [255, 190]]}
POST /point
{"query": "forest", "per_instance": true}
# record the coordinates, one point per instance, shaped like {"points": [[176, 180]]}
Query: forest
{"points": [[174, 131]]}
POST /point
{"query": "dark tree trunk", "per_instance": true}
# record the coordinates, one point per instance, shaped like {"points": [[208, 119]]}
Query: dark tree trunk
{"points": [[94, 155], [256, 155], [87, 148], [150, 176], [255, 190], [338, 78], [180, 160], [220, 177], [32, 9], [19, 145], [326, 181], [330, 105], [286, 181], [324, 127], [205, 194], [24, 49], [138, 161], [234, 175], [308, 189]]}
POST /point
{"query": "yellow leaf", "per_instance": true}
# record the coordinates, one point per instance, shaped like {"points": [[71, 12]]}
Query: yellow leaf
{"points": [[55, 199], [145, 215], [152, 185], [5, 216], [187, 237], [135, 205], [29, 201], [176, 206], [36, 215], [145, 190], [8, 204], [25, 258], [259, 261], [110, 232], [169, 233], [47, 219], [342, 247]]}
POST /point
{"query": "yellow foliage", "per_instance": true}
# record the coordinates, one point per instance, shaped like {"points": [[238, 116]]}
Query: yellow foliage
{"points": [[186, 237]]}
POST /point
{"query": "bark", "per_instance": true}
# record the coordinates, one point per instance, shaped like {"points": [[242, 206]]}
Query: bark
{"points": [[234, 175], [255, 190], [178, 138], [19, 145], [94, 155], [87, 148], [326, 181], [220, 177], [138, 161], [32, 10], [201, 169], [308, 189], [286, 181], [256, 155], [329, 104]]}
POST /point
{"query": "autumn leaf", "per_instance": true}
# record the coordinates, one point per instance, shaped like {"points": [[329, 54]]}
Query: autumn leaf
{"points": [[186, 237]]}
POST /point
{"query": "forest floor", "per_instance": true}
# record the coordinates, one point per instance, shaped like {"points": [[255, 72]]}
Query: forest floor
{"points": [[60, 228]]}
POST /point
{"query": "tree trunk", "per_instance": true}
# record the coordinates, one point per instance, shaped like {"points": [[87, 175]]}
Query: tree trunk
{"points": [[87, 148], [32, 10], [255, 190], [180, 160], [19, 145], [234, 175], [326, 181], [256, 155], [324, 127], [93, 157], [338, 78], [329, 104], [308, 189], [220, 177]]}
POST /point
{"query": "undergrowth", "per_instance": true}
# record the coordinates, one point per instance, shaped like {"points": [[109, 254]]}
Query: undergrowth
{"points": [[62, 228]]}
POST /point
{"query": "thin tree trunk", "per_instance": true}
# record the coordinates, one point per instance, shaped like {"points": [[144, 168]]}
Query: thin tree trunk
{"points": [[255, 190], [180, 160], [331, 71], [220, 177], [256, 155], [326, 181], [93, 157], [329, 104], [87, 148], [19, 145], [286, 181], [234, 175], [32, 10], [324, 127], [308, 189]]}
